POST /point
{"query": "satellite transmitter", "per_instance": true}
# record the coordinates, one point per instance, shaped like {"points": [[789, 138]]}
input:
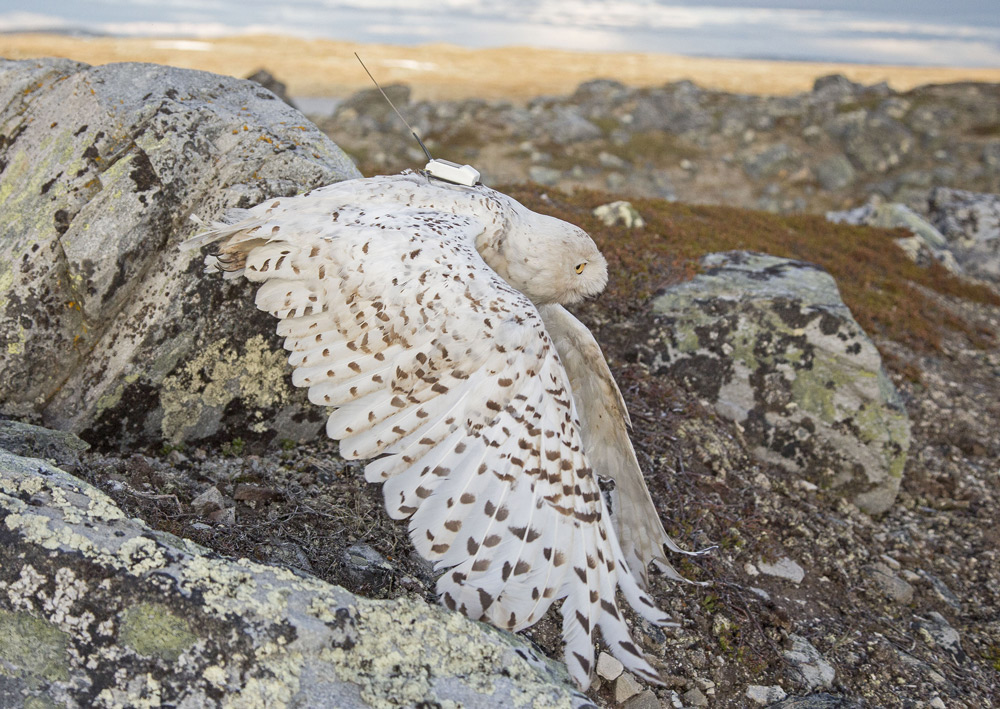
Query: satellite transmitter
{"points": [[441, 169]]}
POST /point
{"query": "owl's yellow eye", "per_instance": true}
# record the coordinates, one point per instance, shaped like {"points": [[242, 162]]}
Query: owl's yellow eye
{"points": [[580, 267]]}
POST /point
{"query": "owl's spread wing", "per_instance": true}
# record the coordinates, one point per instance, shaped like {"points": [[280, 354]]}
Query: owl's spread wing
{"points": [[444, 377], [604, 421]]}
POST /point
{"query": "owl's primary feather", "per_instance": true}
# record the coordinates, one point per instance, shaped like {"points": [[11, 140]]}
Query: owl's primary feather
{"points": [[428, 316]]}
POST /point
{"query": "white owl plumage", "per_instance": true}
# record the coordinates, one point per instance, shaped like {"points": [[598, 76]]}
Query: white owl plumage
{"points": [[429, 316]]}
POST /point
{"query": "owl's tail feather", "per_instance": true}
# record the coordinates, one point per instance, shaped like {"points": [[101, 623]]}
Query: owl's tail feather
{"points": [[237, 229]]}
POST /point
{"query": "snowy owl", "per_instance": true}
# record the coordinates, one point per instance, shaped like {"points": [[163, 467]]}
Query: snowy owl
{"points": [[429, 316]]}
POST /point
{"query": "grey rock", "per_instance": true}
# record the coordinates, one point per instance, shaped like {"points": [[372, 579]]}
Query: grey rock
{"points": [[835, 85], [615, 181], [98, 609], [608, 667], [598, 94], [891, 215], [937, 632], [694, 697], [783, 568], [37, 442], [771, 161], [846, 123], [544, 175], [883, 144], [644, 700], [208, 501], [765, 695], [808, 667], [106, 329], [565, 125], [272, 84], [941, 590], [676, 108], [835, 172], [875, 143], [626, 686], [991, 156], [771, 345], [610, 160], [970, 222], [370, 107], [927, 243], [366, 569], [930, 121], [885, 581]]}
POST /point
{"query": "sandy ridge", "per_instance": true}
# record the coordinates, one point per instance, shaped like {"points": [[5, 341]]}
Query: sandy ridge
{"points": [[439, 71]]}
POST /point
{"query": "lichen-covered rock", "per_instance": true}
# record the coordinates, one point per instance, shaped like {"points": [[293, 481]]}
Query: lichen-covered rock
{"points": [[105, 328], [37, 442], [927, 243], [970, 221], [770, 344], [98, 610]]}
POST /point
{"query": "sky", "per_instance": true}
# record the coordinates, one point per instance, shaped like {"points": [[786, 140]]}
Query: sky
{"points": [[921, 32]]}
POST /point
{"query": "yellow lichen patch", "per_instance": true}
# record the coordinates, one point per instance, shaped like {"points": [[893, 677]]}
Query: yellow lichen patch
{"points": [[216, 675], [33, 646], [218, 375], [390, 660], [153, 629], [141, 554]]}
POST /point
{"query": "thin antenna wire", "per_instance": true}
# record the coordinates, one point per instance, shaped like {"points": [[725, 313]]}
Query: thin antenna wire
{"points": [[413, 132]]}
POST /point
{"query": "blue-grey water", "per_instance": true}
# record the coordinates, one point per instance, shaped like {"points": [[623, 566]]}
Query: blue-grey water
{"points": [[921, 32]]}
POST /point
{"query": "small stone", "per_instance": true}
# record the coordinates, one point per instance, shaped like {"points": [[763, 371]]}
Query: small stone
{"points": [[607, 159], [608, 667], [809, 668], [836, 172], [676, 681], [890, 562], [620, 212], [751, 569], [626, 687], [937, 632], [942, 590], [255, 493], [208, 501], [695, 698], [881, 577], [764, 695], [544, 175], [937, 703], [783, 568], [615, 181], [698, 659], [225, 518], [643, 700]]}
